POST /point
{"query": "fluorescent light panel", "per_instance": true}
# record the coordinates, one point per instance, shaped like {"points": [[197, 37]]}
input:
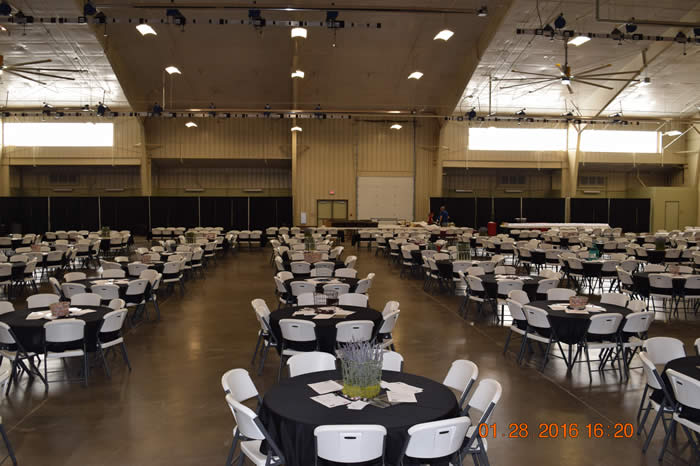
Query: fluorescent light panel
{"points": [[296, 128], [673, 132], [299, 32], [579, 40], [517, 139], [191, 124], [59, 134], [396, 126], [298, 74], [415, 75], [145, 30], [445, 35], [172, 70]]}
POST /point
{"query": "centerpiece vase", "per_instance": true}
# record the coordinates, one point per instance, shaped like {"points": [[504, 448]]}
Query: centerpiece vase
{"points": [[361, 365]]}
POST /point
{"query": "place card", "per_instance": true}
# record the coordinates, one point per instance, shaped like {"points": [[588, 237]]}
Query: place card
{"points": [[343, 312], [575, 311], [330, 400], [323, 316], [558, 307], [357, 405], [400, 387], [401, 397], [80, 312], [328, 386]]}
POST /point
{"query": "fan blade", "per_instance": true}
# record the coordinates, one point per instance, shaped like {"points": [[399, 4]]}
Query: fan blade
{"points": [[25, 77], [584, 75], [530, 83], [568, 86], [593, 84], [607, 79], [596, 69], [35, 62], [535, 74], [65, 70], [541, 87], [524, 79], [44, 74]]}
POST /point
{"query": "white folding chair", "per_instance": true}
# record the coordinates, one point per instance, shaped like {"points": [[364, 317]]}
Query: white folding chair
{"points": [[311, 361], [85, 299], [57, 334], [353, 331], [238, 384], [355, 443], [661, 350], [560, 294], [70, 289], [392, 361], [306, 299], [616, 299], [435, 439], [74, 276], [295, 331], [385, 334], [110, 336], [41, 300], [353, 299], [252, 429], [345, 272], [654, 383], [484, 400], [687, 393], [461, 377]]}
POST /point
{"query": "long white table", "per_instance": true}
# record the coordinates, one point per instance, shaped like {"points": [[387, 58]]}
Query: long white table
{"points": [[549, 226]]}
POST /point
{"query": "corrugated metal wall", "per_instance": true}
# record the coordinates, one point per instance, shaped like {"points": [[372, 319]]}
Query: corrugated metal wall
{"points": [[169, 181], [233, 138], [90, 181]]}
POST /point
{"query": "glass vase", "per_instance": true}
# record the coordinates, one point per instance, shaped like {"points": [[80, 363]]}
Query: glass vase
{"points": [[361, 379]]}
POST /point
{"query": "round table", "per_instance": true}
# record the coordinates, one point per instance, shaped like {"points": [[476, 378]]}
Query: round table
{"points": [[321, 281], [325, 328], [30, 333], [122, 283], [530, 284], [290, 415], [570, 328], [690, 366], [641, 283], [155, 265]]}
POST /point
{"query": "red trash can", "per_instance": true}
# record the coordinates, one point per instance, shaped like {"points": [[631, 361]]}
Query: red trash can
{"points": [[491, 227]]}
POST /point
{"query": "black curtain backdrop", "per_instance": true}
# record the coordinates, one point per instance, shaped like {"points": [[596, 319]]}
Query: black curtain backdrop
{"points": [[483, 211], [285, 212], [216, 212], [125, 213], [174, 212], [507, 209], [630, 214], [23, 215], [589, 210], [544, 209], [74, 213], [462, 210]]}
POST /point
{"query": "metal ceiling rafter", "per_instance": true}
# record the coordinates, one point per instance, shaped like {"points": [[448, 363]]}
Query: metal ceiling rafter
{"points": [[568, 35]]}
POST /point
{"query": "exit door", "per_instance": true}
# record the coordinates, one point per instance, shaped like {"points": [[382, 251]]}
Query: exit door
{"points": [[671, 216]]}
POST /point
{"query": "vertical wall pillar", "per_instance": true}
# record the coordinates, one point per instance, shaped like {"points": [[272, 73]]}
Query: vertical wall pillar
{"points": [[145, 167], [296, 214], [4, 164]]}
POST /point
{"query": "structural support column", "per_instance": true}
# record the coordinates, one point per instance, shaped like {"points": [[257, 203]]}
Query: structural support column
{"points": [[569, 175], [145, 167], [4, 164], [295, 183]]}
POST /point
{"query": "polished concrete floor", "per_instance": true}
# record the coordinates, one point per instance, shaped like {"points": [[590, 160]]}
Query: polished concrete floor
{"points": [[170, 409]]}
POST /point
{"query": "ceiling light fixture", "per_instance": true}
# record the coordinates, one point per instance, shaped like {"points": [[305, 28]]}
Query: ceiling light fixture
{"points": [[296, 129], [299, 32], [5, 8], [298, 74], [145, 30], [394, 111], [89, 9], [172, 70], [673, 132], [579, 40], [445, 35], [482, 11], [396, 126], [565, 81], [191, 124], [560, 22], [415, 75]]}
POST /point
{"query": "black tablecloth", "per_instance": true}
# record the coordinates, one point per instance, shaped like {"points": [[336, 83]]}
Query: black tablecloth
{"points": [[319, 287], [690, 366], [641, 283], [325, 328], [30, 333], [290, 416], [570, 328], [490, 283]]}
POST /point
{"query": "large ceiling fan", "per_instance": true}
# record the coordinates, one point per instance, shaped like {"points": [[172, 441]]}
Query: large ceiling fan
{"points": [[22, 69], [566, 78]]}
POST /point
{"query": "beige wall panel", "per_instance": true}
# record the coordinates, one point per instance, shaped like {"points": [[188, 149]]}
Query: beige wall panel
{"points": [[215, 138], [169, 181], [127, 150], [382, 150], [326, 160], [90, 181], [427, 138]]}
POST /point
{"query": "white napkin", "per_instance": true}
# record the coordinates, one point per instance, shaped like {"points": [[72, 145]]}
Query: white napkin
{"points": [[38, 315], [401, 397], [323, 316], [80, 312], [329, 386], [357, 405], [330, 400]]}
